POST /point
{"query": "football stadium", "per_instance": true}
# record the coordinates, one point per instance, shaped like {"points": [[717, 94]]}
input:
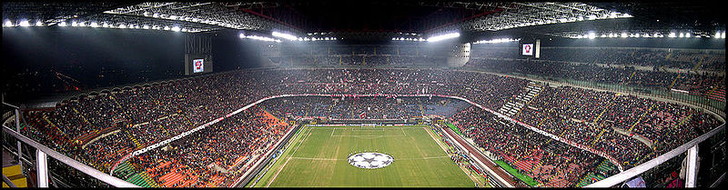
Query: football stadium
{"points": [[403, 94]]}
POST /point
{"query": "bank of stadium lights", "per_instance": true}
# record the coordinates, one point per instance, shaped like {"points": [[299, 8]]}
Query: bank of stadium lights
{"points": [[95, 24], [317, 36], [260, 38], [495, 41], [694, 35], [284, 35], [411, 39], [441, 37], [22, 23], [311, 39]]}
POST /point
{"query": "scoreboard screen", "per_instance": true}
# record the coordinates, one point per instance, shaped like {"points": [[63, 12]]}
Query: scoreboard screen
{"points": [[197, 64], [530, 48], [527, 49]]}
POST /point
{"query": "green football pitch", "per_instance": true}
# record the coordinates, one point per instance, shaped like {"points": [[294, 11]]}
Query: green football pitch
{"points": [[318, 157]]}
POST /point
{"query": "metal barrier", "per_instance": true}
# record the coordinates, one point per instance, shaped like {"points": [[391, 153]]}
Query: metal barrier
{"points": [[691, 147], [7, 181]]}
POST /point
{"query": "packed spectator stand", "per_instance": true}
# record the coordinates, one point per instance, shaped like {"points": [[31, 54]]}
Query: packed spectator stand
{"points": [[118, 122]]}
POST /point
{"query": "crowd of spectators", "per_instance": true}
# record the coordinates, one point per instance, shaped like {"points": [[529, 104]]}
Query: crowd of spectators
{"points": [[549, 162], [359, 60], [693, 82], [711, 60], [217, 155], [630, 128], [146, 114], [361, 107]]}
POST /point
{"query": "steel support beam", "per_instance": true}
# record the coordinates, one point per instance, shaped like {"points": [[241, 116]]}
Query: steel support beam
{"points": [[691, 172], [41, 163]]}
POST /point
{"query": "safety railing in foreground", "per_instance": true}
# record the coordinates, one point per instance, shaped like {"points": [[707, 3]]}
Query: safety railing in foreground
{"points": [[42, 167], [690, 179]]}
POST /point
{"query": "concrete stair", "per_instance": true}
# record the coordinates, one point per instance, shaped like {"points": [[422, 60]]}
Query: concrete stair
{"points": [[515, 105]]}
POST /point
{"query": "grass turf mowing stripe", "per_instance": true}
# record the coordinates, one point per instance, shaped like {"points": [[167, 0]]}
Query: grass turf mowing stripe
{"points": [[419, 162]]}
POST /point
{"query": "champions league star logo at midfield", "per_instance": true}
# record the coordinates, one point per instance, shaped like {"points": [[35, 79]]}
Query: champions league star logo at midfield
{"points": [[370, 160]]}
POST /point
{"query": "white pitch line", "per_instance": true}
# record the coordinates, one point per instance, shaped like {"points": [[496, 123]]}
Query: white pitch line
{"points": [[324, 159], [334, 159], [289, 158], [369, 136]]}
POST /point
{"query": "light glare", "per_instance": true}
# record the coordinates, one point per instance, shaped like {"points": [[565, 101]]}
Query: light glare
{"points": [[443, 37], [284, 35], [24, 23]]}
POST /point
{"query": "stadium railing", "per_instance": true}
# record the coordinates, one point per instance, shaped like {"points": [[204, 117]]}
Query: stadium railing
{"points": [[691, 148], [41, 165]]}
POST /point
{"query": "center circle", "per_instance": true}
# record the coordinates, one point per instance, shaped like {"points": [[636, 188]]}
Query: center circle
{"points": [[370, 160]]}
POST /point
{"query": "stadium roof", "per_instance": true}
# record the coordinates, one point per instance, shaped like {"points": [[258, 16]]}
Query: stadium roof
{"points": [[376, 16]]}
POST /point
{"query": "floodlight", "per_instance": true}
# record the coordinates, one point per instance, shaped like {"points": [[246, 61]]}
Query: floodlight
{"points": [[613, 14], [682, 35], [39, 23], [284, 35], [8, 23], [176, 28], [443, 37], [24, 23], [687, 35], [723, 35], [145, 27], [592, 35], [94, 24], [624, 35]]}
